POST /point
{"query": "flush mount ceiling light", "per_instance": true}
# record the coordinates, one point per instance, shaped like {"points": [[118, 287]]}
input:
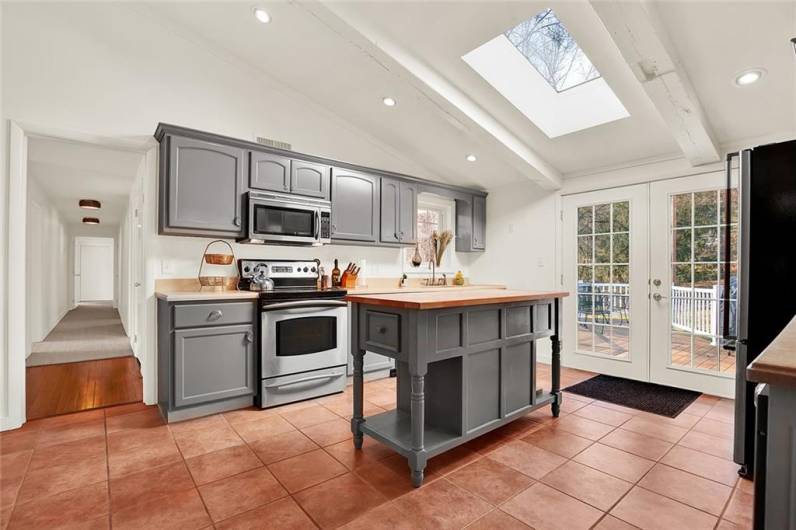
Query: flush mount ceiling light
{"points": [[262, 15], [91, 221], [748, 77], [390, 102], [471, 158], [90, 204]]}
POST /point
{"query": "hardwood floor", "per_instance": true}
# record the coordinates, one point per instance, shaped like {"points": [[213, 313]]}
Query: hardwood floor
{"points": [[62, 388]]}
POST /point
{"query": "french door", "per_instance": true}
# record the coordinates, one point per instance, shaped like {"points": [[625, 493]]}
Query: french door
{"points": [[606, 270], [644, 265], [689, 217]]}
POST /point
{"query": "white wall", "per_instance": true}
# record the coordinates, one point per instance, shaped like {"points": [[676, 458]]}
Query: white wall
{"points": [[47, 270], [3, 241]]}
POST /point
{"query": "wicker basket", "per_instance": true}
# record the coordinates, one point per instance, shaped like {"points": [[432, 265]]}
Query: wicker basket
{"points": [[220, 283]]}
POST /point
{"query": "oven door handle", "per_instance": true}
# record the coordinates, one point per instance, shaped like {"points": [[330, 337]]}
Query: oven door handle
{"points": [[305, 379], [304, 304]]}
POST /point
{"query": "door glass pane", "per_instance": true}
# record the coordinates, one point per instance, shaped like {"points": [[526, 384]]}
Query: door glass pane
{"points": [[302, 336], [603, 316], [697, 274]]}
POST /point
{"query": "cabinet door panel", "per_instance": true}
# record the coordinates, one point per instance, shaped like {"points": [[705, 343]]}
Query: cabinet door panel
{"points": [[269, 172], [205, 184], [309, 179], [390, 210], [408, 213], [213, 363], [355, 206], [479, 223], [518, 384]]}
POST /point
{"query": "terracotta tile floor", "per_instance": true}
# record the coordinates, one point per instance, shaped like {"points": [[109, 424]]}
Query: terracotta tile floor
{"points": [[598, 466]]}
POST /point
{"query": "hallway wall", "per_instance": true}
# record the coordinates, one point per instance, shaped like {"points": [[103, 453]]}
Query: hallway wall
{"points": [[47, 269]]}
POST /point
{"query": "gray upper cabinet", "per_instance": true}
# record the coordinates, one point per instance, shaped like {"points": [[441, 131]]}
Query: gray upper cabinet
{"points": [[471, 224], [202, 186], [390, 210], [355, 206], [213, 363], [269, 172], [407, 223], [398, 211], [479, 222], [310, 179]]}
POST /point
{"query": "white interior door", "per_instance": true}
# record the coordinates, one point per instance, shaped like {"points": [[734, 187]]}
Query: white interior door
{"points": [[94, 266], [688, 223], [605, 256]]}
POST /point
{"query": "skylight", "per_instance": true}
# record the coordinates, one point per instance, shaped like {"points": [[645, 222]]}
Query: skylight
{"points": [[549, 47], [540, 68]]}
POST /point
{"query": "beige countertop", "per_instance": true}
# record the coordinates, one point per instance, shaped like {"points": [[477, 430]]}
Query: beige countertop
{"points": [[776, 365], [187, 289], [452, 297]]}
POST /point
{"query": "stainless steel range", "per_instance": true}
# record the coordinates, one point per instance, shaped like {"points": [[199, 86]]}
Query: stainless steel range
{"points": [[303, 330]]}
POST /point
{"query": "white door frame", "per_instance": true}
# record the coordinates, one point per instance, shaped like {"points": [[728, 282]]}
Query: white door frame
{"points": [[14, 310], [637, 366], [660, 269], [93, 241]]}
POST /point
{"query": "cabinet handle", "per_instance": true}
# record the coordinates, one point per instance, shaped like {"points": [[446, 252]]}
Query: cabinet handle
{"points": [[249, 337], [402, 236], [214, 315], [395, 235], [236, 221], [286, 187], [334, 228], [382, 330]]}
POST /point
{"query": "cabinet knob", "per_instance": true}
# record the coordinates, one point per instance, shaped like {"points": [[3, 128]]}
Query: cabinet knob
{"points": [[334, 228], [236, 221], [214, 315], [382, 330], [249, 337]]}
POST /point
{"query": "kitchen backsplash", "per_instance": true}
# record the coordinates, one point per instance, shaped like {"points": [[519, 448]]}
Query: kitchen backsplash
{"points": [[179, 257]]}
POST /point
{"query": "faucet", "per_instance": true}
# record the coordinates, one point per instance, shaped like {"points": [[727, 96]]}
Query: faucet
{"points": [[402, 283]]}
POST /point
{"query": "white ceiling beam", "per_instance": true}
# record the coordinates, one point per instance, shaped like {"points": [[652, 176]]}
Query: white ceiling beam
{"points": [[522, 157], [641, 38]]}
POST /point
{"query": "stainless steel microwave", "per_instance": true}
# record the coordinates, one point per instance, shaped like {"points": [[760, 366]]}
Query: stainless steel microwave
{"points": [[288, 219]]}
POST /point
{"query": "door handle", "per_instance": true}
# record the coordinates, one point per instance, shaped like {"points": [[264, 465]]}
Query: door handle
{"points": [[658, 297], [137, 284], [656, 283]]}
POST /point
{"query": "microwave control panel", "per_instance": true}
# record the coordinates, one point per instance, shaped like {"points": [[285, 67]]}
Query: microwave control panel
{"points": [[326, 231]]}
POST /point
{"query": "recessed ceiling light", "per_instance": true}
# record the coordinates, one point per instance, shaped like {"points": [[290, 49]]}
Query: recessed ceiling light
{"points": [[262, 15], [471, 158], [747, 77], [90, 204], [91, 221], [390, 102]]}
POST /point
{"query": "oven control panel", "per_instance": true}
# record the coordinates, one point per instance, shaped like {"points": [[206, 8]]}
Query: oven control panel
{"points": [[276, 269]]}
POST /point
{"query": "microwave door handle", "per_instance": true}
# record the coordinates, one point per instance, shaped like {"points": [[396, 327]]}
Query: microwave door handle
{"points": [[317, 226]]}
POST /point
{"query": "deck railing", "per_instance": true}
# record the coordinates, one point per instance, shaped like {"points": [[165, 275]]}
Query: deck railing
{"points": [[696, 310]]}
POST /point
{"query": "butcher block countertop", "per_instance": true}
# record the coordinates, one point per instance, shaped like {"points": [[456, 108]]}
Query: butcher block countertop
{"points": [[777, 364], [452, 297]]}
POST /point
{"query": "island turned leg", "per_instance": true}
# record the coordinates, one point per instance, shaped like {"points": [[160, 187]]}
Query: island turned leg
{"points": [[357, 419], [417, 458], [556, 359]]}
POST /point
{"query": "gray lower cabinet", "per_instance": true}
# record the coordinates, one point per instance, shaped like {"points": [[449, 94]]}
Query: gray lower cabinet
{"points": [[471, 224], [355, 206], [201, 188], [398, 211], [207, 357]]}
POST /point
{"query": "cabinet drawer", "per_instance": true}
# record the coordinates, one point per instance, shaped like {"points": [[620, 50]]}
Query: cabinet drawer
{"points": [[196, 315], [383, 330]]}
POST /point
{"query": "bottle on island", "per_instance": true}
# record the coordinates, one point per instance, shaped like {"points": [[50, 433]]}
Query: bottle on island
{"points": [[336, 275]]}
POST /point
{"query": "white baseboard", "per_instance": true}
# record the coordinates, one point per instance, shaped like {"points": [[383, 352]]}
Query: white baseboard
{"points": [[7, 424]]}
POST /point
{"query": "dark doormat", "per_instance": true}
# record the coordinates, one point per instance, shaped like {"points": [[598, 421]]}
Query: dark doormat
{"points": [[649, 397]]}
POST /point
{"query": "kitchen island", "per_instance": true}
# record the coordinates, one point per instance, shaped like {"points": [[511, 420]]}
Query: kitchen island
{"points": [[465, 361]]}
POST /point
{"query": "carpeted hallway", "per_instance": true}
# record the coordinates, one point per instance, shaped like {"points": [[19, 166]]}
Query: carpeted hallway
{"points": [[84, 363], [88, 332]]}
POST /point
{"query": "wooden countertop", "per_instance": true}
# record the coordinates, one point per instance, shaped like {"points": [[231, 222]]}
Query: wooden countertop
{"points": [[419, 289], [453, 297], [776, 365]]}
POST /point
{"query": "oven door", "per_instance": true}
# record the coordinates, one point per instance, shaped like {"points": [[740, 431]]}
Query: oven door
{"points": [[284, 221], [303, 335]]}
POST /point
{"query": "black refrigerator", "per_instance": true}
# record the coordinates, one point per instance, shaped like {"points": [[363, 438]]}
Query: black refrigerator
{"points": [[766, 273]]}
